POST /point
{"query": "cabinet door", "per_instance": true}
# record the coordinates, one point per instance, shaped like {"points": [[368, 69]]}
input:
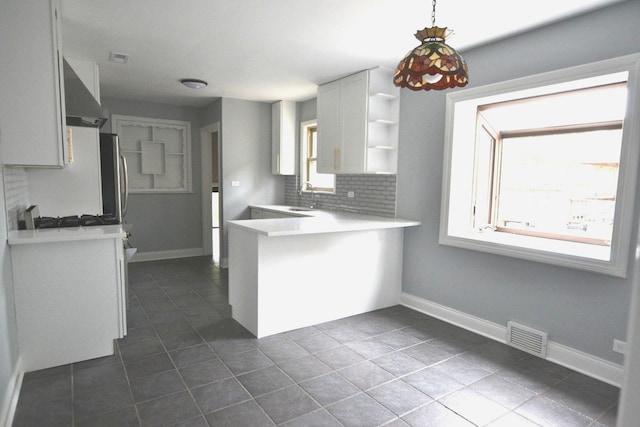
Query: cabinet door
{"points": [[270, 215], [353, 104], [283, 138], [329, 128], [32, 114], [256, 213]]}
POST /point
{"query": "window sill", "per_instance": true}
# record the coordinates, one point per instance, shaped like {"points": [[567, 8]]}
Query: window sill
{"points": [[577, 255]]}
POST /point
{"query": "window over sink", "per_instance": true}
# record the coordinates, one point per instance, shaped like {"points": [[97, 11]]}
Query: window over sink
{"points": [[311, 179]]}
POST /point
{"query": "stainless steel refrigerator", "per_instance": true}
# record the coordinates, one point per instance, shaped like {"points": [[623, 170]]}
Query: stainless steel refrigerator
{"points": [[115, 183], [115, 192]]}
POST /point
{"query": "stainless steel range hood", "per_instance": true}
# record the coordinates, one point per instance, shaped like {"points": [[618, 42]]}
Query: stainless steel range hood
{"points": [[82, 108]]}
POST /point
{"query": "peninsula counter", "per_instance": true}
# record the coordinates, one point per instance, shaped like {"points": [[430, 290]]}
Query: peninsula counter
{"points": [[293, 272]]}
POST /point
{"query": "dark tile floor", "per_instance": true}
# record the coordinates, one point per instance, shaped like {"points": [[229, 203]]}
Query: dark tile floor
{"points": [[185, 362]]}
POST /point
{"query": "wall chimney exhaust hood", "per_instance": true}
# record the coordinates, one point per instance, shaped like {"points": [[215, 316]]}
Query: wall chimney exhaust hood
{"points": [[82, 108]]}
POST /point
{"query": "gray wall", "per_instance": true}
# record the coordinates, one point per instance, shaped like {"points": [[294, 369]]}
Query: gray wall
{"points": [[173, 222], [584, 311], [307, 110], [246, 158], [212, 113], [164, 222]]}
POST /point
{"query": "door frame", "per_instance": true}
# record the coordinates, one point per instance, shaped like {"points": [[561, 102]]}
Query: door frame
{"points": [[205, 172]]}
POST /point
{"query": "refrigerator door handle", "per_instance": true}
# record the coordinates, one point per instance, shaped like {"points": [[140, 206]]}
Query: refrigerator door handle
{"points": [[125, 200]]}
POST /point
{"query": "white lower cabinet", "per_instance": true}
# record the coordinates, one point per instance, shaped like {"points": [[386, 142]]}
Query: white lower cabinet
{"points": [[70, 300], [257, 213], [270, 214]]}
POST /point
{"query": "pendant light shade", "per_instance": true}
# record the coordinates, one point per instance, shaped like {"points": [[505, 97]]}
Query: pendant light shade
{"points": [[432, 65]]}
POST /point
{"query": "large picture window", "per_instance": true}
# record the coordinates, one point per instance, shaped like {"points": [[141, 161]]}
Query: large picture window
{"points": [[544, 168]]}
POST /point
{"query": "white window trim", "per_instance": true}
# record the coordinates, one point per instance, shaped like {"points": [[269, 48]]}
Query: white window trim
{"points": [[303, 157], [459, 161]]}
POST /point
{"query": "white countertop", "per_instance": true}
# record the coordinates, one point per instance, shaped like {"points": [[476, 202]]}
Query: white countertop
{"points": [[65, 234], [316, 221]]}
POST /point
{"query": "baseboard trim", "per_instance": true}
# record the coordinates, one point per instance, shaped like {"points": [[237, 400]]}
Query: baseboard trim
{"points": [[11, 395], [160, 255], [576, 360]]}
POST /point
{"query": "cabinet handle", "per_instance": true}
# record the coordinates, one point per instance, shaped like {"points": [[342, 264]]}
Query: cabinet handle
{"points": [[69, 144], [278, 163], [336, 159]]}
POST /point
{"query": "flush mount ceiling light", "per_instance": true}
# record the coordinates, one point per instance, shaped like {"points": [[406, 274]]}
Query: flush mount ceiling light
{"points": [[194, 83], [434, 64]]}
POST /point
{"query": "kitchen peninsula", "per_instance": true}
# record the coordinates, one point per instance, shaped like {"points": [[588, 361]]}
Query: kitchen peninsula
{"points": [[312, 266]]}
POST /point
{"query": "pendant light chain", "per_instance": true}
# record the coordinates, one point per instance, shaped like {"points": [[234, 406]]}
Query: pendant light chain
{"points": [[433, 13]]}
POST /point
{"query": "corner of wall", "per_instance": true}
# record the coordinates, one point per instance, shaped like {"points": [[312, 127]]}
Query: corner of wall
{"points": [[10, 396]]}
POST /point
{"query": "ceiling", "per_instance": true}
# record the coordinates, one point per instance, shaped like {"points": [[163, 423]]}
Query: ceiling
{"points": [[267, 50]]}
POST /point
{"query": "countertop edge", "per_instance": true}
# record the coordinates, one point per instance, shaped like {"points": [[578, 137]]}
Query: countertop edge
{"points": [[70, 234], [317, 222]]}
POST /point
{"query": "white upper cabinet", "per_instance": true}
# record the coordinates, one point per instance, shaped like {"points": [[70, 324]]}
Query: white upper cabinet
{"points": [[358, 124], [329, 127], [32, 113], [283, 138]]}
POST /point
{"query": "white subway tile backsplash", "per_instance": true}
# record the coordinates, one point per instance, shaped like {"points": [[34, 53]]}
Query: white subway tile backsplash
{"points": [[16, 193]]}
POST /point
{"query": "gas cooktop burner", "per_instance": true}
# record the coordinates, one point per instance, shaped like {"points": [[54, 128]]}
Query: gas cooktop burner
{"points": [[88, 220], [75, 221]]}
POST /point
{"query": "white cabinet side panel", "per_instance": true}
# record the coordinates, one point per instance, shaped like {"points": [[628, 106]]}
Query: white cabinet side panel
{"points": [[243, 277], [311, 279], [66, 308], [74, 189]]}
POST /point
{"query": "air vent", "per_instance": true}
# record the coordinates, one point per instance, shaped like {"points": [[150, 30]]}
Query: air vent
{"points": [[119, 58], [527, 339]]}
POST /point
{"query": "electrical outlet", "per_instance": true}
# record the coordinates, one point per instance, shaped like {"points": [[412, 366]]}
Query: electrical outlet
{"points": [[619, 346], [351, 194]]}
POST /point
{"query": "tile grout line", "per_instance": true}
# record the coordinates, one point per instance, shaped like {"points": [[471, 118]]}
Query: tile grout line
{"points": [[171, 358], [558, 380]]}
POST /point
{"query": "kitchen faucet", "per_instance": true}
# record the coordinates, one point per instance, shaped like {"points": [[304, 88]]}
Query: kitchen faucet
{"points": [[313, 194]]}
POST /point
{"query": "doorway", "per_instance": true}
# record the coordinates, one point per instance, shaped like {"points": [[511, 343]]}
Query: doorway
{"points": [[211, 191]]}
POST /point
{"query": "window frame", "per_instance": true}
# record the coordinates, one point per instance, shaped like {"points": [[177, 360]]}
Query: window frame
{"points": [[459, 168], [305, 159], [493, 204]]}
